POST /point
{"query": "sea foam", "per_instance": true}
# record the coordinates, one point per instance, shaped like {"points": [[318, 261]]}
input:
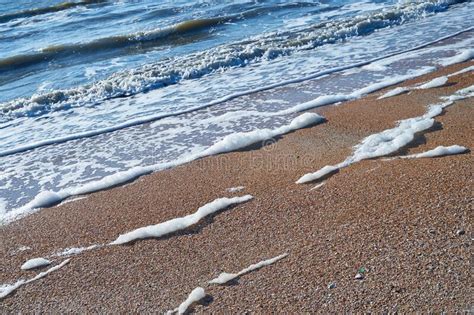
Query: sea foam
{"points": [[178, 224], [391, 140]]}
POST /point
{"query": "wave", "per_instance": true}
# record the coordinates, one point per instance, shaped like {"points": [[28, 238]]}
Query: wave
{"points": [[173, 70], [38, 11], [323, 101], [162, 36], [135, 42]]}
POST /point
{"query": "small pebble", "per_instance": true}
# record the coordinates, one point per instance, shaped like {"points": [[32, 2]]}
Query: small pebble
{"points": [[332, 285], [359, 276]]}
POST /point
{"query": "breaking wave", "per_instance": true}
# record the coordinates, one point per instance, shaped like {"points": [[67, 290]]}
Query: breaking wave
{"points": [[173, 70], [171, 35]]}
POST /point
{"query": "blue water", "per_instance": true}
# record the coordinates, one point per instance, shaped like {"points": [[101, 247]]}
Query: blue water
{"points": [[95, 22], [83, 84]]}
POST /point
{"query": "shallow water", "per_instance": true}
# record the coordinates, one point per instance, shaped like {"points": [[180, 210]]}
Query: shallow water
{"points": [[92, 89]]}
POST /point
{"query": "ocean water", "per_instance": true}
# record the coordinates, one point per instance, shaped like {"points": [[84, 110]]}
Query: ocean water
{"points": [[95, 93]]}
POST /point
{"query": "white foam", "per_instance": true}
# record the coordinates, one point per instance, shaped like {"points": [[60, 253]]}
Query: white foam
{"points": [[467, 69], [389, 82], [317, 186], [195, 296], [226, 277], [317, 102], [390, 140], [178, 224], [436, 82], [375, 67], [438, 151], [44, 199], [376, 145], [395, 91], [461, 94], [35, 263], [76, 250], [462, 56], [326, 170], [235, 189], [6, 289], [240, 140], [72, 200]]}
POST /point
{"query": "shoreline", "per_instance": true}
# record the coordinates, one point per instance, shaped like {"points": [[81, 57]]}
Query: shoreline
{"points": [[329, 232], [296, 94]]}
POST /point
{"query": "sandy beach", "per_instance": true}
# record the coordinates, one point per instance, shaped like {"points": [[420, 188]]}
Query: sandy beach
{"points": [[405, 225]]}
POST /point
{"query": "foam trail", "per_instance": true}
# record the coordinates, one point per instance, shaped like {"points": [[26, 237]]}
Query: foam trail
{"points": [[178, 224], [395, 92], [461, 57], [467, 69], [195, 296], [324, 172], [438, 151], [76, 250], [226, 277], [337, 98], [317, 186], [5, 290], [390, 140], [317, 102], [235, 189], [436, 82], [243, 139], [35, 263], [72, 200]]}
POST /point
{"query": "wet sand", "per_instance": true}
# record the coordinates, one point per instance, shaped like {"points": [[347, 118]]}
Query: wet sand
{"points": [[408, 223]]}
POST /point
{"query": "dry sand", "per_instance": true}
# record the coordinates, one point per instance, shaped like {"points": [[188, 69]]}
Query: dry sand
{"points": [[397, 219]]}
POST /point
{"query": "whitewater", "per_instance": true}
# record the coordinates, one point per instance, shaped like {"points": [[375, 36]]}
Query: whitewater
{"points": [[154, 85]]}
